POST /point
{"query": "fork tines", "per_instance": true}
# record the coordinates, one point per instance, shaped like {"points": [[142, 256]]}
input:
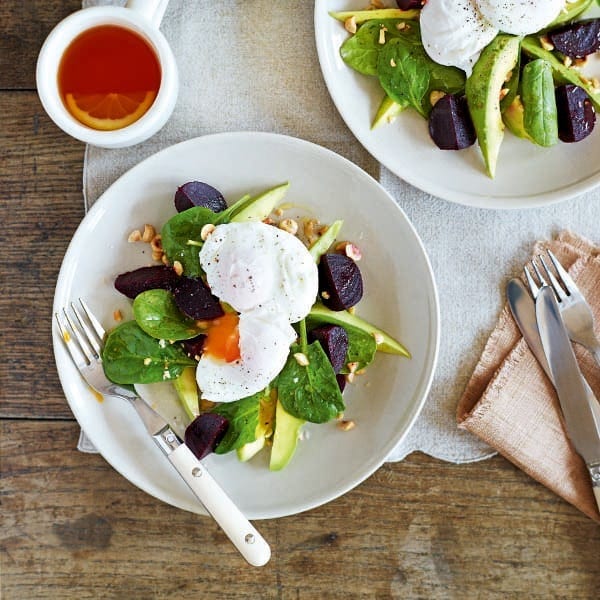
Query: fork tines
{"points": [[82, 335], [567, 282]]}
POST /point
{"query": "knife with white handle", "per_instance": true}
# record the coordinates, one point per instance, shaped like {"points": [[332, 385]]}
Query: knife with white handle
{"points": [[579, 406]]}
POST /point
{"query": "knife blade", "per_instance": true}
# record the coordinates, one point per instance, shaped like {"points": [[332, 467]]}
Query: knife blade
{"points": [[579, 406], [522, 307]]}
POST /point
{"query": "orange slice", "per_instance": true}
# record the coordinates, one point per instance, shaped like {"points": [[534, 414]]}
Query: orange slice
{"points": [[107, 112]]}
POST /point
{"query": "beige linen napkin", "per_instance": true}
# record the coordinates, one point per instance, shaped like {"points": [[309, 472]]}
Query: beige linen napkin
{"points": [[511, 404]]}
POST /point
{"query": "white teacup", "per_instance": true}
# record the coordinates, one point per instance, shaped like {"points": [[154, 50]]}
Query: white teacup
{"points": [[142, 17]]}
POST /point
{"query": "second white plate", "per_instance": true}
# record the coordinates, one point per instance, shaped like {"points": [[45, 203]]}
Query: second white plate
{"points": [[527, 175]]}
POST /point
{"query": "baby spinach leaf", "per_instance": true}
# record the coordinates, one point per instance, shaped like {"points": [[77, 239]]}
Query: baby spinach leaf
{"points": [[243, 420], [403, 73], [310, 392], [179, 230], [539, 103], [360, 51], [132, 356], [157, 314]]}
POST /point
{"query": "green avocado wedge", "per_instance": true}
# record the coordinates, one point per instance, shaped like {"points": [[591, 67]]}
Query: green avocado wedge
{"points": [[187, 392], [570, 12], [285, 438], [482, 89], [385, 342], [388, 110]]}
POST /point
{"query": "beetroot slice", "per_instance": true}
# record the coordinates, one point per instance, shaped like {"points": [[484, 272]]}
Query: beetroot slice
{"points": [[334, 340], [341, 381], [197, 193], [577, 40], [576, 115], [340, 281], [140, 280], [194, 299], [450, 125], [204, 433], [194, 346], [408, 4]]}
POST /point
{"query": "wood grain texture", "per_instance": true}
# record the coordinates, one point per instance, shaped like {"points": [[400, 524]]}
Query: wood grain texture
{"points": [[73, 528]]}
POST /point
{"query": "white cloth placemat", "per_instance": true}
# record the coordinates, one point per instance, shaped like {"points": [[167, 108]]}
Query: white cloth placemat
{"points": [[252, 65]]}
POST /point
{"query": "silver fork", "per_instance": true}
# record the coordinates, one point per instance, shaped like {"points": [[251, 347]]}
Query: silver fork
{"points": [[83, 337], [574, 309]]}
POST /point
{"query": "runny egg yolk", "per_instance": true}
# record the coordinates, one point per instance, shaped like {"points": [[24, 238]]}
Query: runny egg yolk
{"points": [[223, 338]]}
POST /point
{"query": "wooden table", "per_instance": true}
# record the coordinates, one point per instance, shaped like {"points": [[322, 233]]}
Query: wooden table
{"points": [[74, 528]]}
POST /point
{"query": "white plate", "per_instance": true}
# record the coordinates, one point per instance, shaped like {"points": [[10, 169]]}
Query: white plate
{"points": [[400, 296], [527, 175]]}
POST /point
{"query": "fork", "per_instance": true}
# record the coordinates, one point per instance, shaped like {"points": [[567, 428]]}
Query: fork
{"points": [[83, 336], [574, 309]]}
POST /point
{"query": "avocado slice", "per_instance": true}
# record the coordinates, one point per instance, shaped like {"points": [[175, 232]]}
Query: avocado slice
{"points": [[385, 342], [324, 242], [513, 118], [187, 391], [256, 208], [360, 16], [264, 429], [482, 90], [388, 110], [285, 438], [570, 11]]}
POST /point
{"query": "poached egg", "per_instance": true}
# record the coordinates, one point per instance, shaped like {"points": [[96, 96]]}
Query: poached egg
{"points": [[454, 32], [268, 276]]}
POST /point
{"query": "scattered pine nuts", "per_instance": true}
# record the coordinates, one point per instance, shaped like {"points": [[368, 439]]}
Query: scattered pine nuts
{"points": [[350, 24], [117, 315], [301, 359], [503, 93], [546, 44], [135, 236], [435, 96], [289, 225], [382, 32], [346, 425], [178, 267], [156, 243], [149, 233], [206, 231]]}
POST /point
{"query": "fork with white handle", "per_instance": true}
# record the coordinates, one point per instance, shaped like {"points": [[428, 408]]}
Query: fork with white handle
{"points": [[574, 309], [83, 337]]}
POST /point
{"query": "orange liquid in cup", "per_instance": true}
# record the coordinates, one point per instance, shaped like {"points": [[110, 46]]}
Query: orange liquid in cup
{"points": [[108, 77]]}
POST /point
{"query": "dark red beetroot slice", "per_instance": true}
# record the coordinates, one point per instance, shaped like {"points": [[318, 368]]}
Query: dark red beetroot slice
{"points": [[340, 281], [135, 282], [204, 433], [197, 193], [408, 4], [576, 114], [341, 380], [194, 299], [450, 125], [577, 40], [334, 340], [194, 346]]}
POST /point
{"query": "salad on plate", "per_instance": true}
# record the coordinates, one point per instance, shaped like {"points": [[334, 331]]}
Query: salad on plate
{"points": [[475, 67], [246, 320]]}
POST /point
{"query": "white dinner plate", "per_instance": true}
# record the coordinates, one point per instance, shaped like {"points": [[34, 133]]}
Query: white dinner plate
{"points": [[527, 175], [400, 297]]}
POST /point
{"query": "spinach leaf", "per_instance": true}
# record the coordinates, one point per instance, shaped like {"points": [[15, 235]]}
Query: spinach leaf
{"points": [[177, 233], [243, 420], [540, 118], [309, 392], [157, 314], [361, 51], [403, 73], [409, 75], [132, 356]]}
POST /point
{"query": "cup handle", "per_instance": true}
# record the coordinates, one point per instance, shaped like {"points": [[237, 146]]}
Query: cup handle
{"points": [[153, 10]]}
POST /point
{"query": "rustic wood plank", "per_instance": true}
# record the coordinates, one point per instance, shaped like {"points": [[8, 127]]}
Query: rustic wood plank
{"points": [[23, 28], [74, 528], [40, 187]]}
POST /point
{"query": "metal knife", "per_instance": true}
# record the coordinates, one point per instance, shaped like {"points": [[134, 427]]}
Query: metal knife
{"points": [[579, 406], [522, 307]]}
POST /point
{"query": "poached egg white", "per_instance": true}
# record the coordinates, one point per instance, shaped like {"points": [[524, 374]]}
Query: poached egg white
{"points": [[269, 277]]}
